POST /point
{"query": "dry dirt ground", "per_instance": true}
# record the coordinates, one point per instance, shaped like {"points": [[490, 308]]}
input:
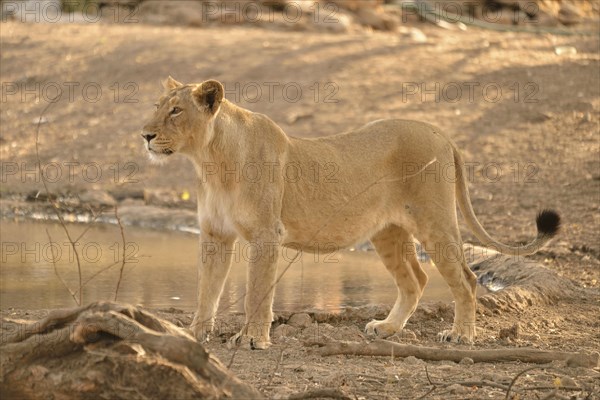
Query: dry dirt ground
{"points": [[526, 118]]}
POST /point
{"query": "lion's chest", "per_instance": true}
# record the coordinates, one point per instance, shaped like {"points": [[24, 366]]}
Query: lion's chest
{"points": [[216, 209]]}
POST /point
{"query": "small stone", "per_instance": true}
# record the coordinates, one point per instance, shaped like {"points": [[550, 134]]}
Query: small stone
{"points": [[323, 316], [417, 35], [412, 360], [97, 198], [39, 120], [284, 330], [466, 361], [375, 19], [569, 14], [293, 117], [406, 335], [568, 381], [565, 50], [493, 377], [510, 333], [300, 320], [457, 389], [38, 372], [282, 316], [323, 333], [160, 197], [369, 312], [531, 338]]}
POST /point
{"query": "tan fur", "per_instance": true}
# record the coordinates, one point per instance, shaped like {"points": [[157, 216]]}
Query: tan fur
{"points": [[390, 181]]}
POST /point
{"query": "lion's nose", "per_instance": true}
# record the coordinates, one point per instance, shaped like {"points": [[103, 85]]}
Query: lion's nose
{"points": [[148, 136]]}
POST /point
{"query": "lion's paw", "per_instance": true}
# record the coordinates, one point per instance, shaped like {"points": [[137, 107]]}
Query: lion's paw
{"points": [[201, 333], [381, 329], [452, 335], [247, 342]]}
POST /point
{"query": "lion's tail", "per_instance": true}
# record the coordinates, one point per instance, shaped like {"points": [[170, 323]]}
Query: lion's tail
{"points": [[547, 221]]}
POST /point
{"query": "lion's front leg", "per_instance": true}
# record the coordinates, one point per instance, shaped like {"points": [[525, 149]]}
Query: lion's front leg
{"points": [[214, 266], [260, 289]]}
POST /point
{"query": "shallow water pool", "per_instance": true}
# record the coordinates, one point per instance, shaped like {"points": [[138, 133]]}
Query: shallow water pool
{"points": [[161, 271]]}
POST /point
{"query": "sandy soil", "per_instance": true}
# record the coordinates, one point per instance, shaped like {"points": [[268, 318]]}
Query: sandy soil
{"points": [[535, 145]]}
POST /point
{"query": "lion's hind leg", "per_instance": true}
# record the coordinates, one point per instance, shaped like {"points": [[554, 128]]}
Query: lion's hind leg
{"points": [[397, 250], [445, 250]]}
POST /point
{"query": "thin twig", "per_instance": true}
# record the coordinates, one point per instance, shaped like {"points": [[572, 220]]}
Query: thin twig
{"points": [[56, 269], [55, 205], [95, 216], [123, 256], [232, 359], [427, 374], [427, 394], [279, 362], [514, 380], [91, 278]]}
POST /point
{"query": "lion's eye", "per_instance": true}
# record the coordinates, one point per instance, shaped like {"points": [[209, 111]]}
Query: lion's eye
{"points": [[156, 106], [176, 110]]}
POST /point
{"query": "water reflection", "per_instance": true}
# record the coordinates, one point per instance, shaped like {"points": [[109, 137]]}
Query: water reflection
{"points": [[161, 271]]}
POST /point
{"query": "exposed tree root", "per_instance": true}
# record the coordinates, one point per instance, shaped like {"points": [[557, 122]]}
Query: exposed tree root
{"points": [[109, 350]]}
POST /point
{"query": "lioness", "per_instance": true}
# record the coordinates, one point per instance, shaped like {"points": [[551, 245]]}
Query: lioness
{"points": [[390, 181]]}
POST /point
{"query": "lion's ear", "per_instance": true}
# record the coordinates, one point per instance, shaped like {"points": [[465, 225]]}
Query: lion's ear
{"points": [[209, 94], [170, 84]]}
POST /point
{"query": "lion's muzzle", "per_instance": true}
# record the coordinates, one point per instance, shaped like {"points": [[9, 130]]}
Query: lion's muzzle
{"points": [[148, 136]]}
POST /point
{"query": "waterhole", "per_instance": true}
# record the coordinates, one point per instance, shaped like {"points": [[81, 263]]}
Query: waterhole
{"points": [[160, 271]]}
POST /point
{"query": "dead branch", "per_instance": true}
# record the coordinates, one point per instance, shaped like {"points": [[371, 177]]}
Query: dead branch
{"points": [[93, 350], [565, 388], [433, 388], [527, 355], [124, 250], [279, 362], [62, 281]]}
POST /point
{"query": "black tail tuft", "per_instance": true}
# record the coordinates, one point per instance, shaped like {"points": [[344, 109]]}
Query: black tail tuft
{"points": [[548, 223]]}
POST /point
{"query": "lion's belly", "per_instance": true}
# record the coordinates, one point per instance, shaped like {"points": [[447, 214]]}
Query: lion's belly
{"points": [[327, 232], [324, 242]]}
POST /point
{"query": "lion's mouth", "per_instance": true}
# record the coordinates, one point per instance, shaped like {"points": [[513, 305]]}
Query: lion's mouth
{"points": [[166, 152]]}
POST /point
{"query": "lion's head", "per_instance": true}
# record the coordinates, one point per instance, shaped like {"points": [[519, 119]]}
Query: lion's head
{"points": [[183, 117]]}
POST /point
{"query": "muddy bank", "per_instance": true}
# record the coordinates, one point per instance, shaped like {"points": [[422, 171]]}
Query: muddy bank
{"points": [[152, 209], [294, 364]]}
